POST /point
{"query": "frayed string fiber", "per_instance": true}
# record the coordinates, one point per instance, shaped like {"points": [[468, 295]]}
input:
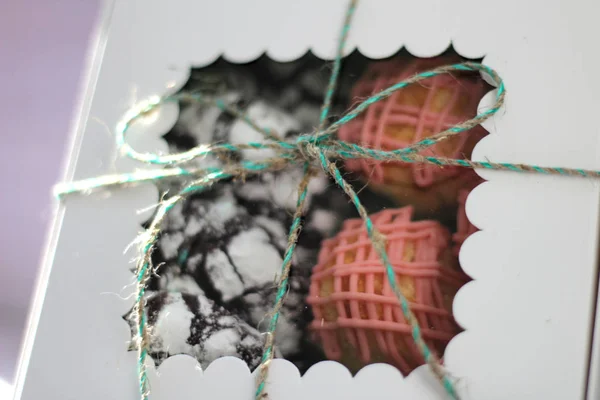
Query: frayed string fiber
{"points": [[296, 226], [314, 150]]}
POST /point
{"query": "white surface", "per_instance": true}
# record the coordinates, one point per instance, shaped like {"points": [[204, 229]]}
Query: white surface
{"points": [[527, 314], [6, 390], [42, 54]]}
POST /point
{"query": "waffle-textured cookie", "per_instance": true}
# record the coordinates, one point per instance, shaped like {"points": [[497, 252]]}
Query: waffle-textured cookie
{"points": [[409, 116], [357, 317]]}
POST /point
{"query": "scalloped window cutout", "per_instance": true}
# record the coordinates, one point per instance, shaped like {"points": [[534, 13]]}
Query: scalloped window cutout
{"points": [[221, 251]]}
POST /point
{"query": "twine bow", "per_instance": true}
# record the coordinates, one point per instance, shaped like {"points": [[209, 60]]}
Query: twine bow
{"points": [[315, 150]]}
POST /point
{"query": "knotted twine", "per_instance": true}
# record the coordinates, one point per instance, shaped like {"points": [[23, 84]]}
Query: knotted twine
{"points": [[316, 149]]}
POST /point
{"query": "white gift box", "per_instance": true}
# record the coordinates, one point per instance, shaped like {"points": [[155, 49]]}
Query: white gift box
{"points": [[528, 314]]}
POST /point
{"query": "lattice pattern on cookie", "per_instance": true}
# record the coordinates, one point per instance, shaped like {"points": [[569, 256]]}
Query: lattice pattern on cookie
{"points": [[357, 317], [411, 114]]}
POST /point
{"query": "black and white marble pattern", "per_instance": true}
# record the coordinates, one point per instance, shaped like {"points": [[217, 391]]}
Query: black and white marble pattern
{"points": [[184, 323], [221, 250]]}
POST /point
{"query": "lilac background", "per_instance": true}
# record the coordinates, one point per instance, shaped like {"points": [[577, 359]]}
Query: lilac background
{"points": [[43, 47]]}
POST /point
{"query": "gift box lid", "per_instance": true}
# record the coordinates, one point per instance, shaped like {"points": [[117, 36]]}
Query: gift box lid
{"points": [[528, 314]]}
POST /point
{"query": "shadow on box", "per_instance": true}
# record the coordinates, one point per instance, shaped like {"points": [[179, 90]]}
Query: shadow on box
{"points": [[221, 250]]}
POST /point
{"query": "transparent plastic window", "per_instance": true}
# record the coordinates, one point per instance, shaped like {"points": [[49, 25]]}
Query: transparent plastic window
{"points": [[220, 251]]}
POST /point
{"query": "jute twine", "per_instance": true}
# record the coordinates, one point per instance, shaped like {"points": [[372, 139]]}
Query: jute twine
{"points": [[314, 150]]}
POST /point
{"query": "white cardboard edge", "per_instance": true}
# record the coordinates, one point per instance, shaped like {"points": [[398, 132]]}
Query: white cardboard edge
{"points": [[593, 386], [519, 332], [93, 62]]}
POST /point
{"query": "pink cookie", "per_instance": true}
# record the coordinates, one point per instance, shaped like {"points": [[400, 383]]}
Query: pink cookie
{"points": [[408, 116], [358, 319]]}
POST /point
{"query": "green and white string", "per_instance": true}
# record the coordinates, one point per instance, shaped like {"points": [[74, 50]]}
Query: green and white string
{"points": [[314, 150]]}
